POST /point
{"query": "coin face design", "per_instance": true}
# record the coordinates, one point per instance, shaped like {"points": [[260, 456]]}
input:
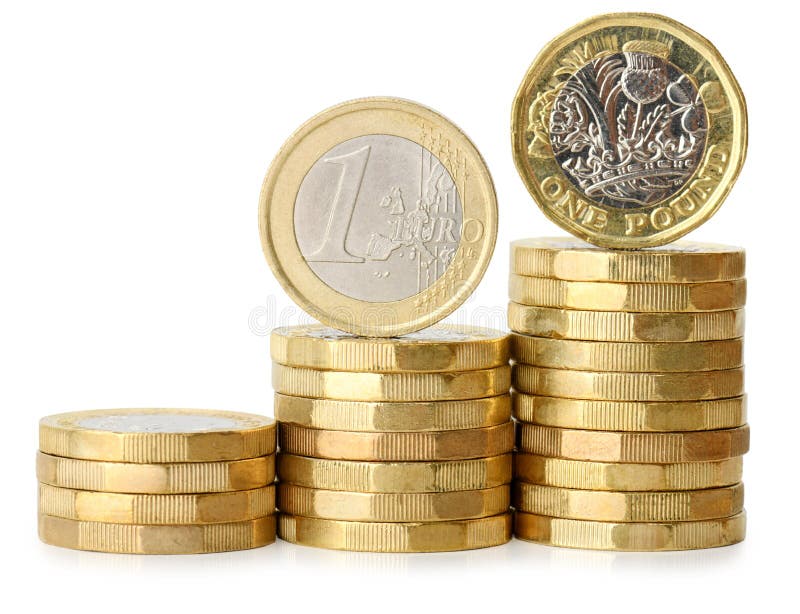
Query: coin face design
{"points": [[629, 130], [156, 423]]}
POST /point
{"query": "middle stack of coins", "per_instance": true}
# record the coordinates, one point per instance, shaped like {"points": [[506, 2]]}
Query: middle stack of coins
{"points": [[393, 444]]}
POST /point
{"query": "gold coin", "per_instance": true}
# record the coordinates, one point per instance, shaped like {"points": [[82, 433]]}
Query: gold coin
{"points": [[607, 506], [632, 536], [393, 507], [424, 446], [634, 447], [166, 478], [629, 130], [630, 415], [157, 435], [615, 386], [361, 386], [630, 357], [422, 477], [156, 539], [590, 475], [574, 260], [334, 415], [123, 508], [378, 217], [624, 326], [615, 296], [443, 347], [441, 536]]}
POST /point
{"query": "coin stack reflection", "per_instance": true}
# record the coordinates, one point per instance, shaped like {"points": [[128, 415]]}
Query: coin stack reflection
{"points": [[157, 481], [628, 392], [393, 444]]}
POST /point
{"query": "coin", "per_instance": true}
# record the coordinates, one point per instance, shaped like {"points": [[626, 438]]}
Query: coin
{"points": [[442, 536], [625, 326], [608, 296], [165, 478], [423, 446], [607, 506], [157, 435], [591, 475], [630, 415], [574, 260], [613, 447], [615, 386], [393, 507], [123, 508], [361, 386], [442, 347], [630, 357], [156, 539], [387, 477], [629, 130], [378, 217], [633, 536], [330, 414]]}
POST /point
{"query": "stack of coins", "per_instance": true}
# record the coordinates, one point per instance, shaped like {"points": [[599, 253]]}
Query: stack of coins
{"points": [[157, 481], [628, 389], [393, 444]]}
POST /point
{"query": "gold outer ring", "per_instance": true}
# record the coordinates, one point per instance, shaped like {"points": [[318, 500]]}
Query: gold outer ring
{"points": [[441, 536], [612, 447], [629, 357], [613, 296], [616, 386], [573, 260], [418, 477], [591, 475], [625, 326], [360, 386], [393, 507], [122, 508], [630, 415], [155, 539], [425, 446], [630, 536], [395, 117], [330, 414], [607, 506], [700, 196], [167, 478], [442, 347], [63, 435]]}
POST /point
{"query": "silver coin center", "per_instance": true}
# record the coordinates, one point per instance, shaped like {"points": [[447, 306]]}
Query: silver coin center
{"points": [[157, 423]]}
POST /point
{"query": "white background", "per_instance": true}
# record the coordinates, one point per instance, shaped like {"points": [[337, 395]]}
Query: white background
{"points": [[133, 142]]}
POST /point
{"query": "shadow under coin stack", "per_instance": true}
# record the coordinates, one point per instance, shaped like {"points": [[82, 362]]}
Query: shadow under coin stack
{"points": [[628, 389], [393, 444], [156, 481]]}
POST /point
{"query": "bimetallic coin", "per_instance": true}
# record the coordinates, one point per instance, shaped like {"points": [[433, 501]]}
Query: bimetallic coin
{"points": [[387, 477], [157, 435], [630, 536], [333, 415], [164, 478], [607, 506], [156, 539], [440, 348], [378, 217], [629, 130], [362, 386], [440, 536], [625, 326]]}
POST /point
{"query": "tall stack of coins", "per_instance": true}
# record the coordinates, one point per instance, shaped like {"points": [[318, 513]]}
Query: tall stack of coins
{"points": [[628, 389], [157, 481], [393, 444]]}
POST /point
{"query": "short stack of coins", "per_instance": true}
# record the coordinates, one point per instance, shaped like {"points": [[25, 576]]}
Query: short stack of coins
{"points": [[396, 444], [628, 392], [157, 481]]}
